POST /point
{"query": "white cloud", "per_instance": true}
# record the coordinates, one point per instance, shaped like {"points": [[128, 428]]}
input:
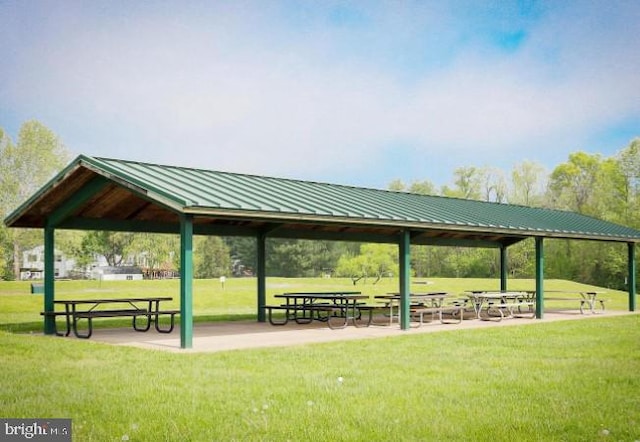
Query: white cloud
{"points": [[233, 88]]}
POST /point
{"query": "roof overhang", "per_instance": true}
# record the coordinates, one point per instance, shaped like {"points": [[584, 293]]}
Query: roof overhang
{"points": [[90, 195]]}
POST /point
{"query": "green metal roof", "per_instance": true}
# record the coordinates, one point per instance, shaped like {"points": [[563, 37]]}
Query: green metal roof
{"points": [[214, 194]]}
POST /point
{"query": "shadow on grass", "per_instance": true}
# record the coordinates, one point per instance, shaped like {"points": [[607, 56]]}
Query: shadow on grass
{"points": [[33, 327]]}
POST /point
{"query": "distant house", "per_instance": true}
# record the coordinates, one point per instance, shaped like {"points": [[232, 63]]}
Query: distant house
{"points": [[33, 268], [120, 273], [33, 264], [165, 271]]}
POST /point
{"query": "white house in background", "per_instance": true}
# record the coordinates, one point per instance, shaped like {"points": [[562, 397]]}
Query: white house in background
{"points": [[120, 273], [33, 267], [33, 264]]}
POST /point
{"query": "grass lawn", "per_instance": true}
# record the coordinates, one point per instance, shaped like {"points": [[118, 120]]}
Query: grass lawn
{"points": [[564, 381], [20, 310]]}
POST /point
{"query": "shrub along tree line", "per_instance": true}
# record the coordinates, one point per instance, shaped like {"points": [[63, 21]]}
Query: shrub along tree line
{"points": [[603, 187]]}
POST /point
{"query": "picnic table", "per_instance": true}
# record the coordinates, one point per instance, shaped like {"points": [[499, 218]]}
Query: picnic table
{"points": [[77, 309], [335, 308], [499, 305], [421, 304], [589, 298]]}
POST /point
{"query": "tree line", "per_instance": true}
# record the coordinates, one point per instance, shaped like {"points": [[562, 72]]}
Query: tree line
{"points": [[603, 187]]}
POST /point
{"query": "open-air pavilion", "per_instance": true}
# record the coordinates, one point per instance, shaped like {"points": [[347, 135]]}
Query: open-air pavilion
{"points": [[116, 195]]}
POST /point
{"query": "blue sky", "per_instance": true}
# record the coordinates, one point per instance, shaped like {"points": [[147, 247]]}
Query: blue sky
{"points": [[341, 91]]}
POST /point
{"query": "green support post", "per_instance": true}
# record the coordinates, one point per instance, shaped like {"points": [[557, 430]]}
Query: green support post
{"points": [[405, 269], [262, 275], [631, 249], [503, 268], [49, 279], [186, 281], [539, 278]]}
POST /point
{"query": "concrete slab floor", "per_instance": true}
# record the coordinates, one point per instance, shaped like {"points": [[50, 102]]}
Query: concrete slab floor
{"points": [[235, 335]]}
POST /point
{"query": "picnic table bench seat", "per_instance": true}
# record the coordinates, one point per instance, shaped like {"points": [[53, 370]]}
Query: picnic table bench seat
{"points": [[498, 311], [289, 309], [151, 316], [337, 315], [135, 313], [455, 311], [271, 308], [54, 315], [111, 313]]}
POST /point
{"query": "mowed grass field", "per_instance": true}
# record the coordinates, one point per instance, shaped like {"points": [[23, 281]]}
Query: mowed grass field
{"points": [[237, 298], [564, 381]]}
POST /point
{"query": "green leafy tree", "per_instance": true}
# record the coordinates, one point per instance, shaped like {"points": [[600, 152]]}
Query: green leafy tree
{"points": [[326, 254], [114, 246], [301, 258], [572, 183], [24, 168], [599, 187], [7, 190], [611, 266], [374, 260], [211, 257], [5, 256], [421, 260], [521, 259], [288, 257], [629, 165], [467, 184], [155, 252], [494, 185], [243, 251], [527, 184], [396, 186], [70, 243], [424, 187], [457, 261], [610, 198]]}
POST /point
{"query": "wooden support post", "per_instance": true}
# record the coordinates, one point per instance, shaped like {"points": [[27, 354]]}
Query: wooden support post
{"points": [[539, 278], [186, 281]]}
